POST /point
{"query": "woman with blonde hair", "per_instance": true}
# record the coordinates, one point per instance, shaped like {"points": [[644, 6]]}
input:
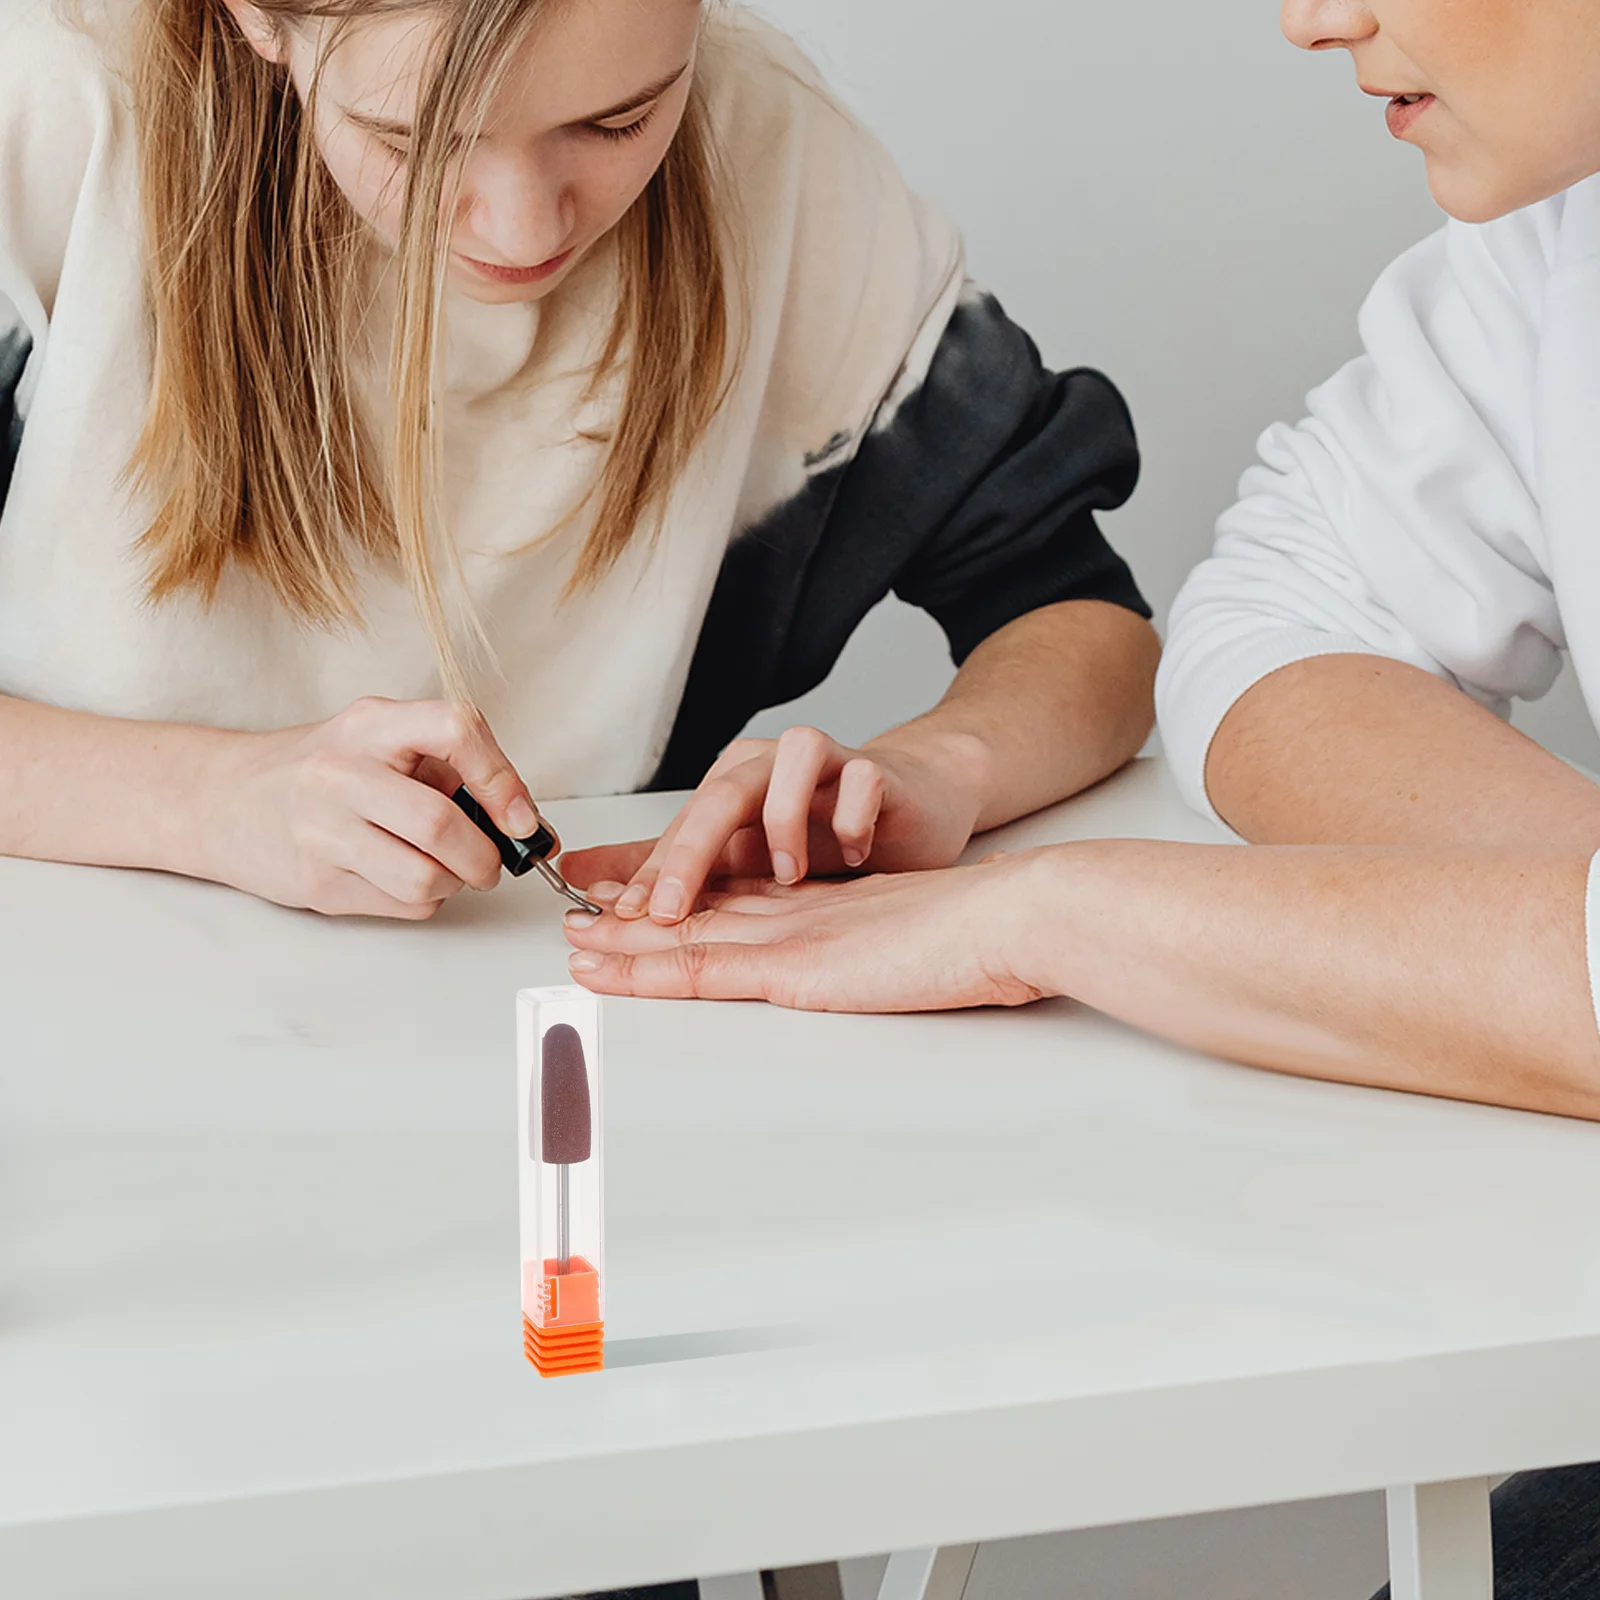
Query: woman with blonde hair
{"points": [[374, 376]]}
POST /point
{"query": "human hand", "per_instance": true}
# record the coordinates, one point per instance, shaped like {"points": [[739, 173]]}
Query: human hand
{"points": [[353, 816], [791, 807], [927, 941]]}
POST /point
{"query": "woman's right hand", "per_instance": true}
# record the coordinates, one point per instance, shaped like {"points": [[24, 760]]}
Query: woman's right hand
{"points": [[353, 816]]}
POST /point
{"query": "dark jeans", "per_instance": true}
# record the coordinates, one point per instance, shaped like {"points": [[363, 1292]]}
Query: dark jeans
{"points": [[688, 1590], [1546, 1536]]}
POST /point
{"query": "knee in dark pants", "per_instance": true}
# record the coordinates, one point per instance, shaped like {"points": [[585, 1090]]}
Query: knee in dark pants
{"points": [[687, 1590], [819, 1582], [1546, 1536]]}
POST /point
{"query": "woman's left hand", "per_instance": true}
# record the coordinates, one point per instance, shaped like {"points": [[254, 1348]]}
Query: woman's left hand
{"points": [[802, 805], [926, 941]]}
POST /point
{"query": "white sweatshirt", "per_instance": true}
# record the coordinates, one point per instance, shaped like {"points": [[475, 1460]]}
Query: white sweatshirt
{"points": [[1438, 506], [1441, 503]]}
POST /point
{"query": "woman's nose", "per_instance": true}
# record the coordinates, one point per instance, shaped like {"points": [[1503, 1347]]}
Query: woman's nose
{"points": [[523, 213], [1327, 24]]}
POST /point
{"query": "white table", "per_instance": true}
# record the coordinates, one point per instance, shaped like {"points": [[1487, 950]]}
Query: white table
{"points": [[874, 1284]]}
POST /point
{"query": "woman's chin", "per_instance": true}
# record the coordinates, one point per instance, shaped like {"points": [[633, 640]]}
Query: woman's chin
{"points": [[1471, 194]]}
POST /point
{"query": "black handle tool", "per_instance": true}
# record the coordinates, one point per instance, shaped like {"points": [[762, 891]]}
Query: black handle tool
{"points": [[522, 856]]}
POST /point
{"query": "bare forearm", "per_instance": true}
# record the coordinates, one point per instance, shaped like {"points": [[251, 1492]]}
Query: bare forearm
{"points": [[1361, 749], [100, 790], [1051, 703], [1456, 972]]}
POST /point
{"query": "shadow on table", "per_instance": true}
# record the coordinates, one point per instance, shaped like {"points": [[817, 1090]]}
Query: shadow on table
{"points": [[658, 1349]]}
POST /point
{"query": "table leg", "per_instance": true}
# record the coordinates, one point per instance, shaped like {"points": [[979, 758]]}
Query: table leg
{"points": [[1439, 1541], [734, 1586], [929, 1574]]}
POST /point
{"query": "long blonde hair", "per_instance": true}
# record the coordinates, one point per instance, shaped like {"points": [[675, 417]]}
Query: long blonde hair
{"points": [[254, 452]]}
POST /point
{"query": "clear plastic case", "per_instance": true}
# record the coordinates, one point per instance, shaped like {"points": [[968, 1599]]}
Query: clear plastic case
{"points": [[560, 1185]]}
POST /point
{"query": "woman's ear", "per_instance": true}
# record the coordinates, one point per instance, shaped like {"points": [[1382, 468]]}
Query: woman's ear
{"points": [[263, 32]]}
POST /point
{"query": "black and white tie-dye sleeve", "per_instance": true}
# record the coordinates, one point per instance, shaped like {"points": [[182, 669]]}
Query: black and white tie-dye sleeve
{"points": [[15, 347], [973, 496]]}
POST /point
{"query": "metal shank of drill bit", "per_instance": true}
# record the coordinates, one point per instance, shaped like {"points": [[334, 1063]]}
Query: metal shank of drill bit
{"points": [[563, 1220]]}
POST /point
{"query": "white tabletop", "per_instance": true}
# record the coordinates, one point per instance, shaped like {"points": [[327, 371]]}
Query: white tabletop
{"points": [[872, 1283]]}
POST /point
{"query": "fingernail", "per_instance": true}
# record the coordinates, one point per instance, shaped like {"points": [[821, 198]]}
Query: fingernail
{"points": [[633, 902], [523, 819], [854, 858], [667, 901], [784, 867], [604, 890], [585, 961], [581, 919]]}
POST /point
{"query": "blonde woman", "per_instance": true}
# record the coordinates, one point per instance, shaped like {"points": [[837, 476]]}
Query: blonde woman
{"points": [[519, 393]]}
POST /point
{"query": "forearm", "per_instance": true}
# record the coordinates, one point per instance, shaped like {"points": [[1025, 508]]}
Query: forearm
{"points": [[1361, 749], [101, 790], [1450, 972], [1050, 704]]}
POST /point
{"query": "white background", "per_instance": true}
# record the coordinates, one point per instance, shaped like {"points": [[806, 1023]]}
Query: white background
{"points": [[1164, 189], [1167, 190]]}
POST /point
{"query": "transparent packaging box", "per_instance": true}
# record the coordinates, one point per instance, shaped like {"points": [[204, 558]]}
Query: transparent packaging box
{"points": [[561, 1195]]}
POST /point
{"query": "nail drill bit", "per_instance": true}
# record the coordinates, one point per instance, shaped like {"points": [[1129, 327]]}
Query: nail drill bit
{"points": [[564, 1123]]}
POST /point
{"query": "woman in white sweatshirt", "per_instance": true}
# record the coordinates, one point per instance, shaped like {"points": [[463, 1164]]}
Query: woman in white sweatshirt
{"points": [[1421, 551], [374, 376]]}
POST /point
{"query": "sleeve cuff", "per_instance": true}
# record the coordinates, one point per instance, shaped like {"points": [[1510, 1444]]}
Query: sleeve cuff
{"points": [[1077, 564], [1194, 698]]}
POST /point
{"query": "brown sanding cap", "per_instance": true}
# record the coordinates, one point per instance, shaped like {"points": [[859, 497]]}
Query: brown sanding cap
{"points": [[564, 1098]]}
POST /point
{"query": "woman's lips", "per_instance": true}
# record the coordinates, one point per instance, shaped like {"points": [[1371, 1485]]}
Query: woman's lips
{"points": [[545, 269], [1404, 109]]}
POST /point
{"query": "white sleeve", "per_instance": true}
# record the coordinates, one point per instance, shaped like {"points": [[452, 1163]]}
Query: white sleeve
{"points": [[54, 109], [1400, 518]]}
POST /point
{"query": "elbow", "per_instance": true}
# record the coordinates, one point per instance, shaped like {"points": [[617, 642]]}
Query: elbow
{"points": [[1561, 1082], [1140, 663], [1119, 689]]}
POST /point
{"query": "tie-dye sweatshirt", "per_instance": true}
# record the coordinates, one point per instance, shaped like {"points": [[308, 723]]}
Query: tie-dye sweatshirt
{"points": [[888, 431]]}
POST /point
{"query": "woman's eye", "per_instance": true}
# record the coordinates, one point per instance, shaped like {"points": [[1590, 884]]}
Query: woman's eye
{"points": [[626, 130], [399, 145]]}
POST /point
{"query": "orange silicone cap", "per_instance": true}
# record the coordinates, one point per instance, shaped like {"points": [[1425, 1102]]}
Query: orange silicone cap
{"points": [[567, 1335], [563, 1352]]}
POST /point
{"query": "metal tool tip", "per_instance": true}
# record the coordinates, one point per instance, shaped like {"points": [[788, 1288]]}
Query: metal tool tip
{"points": [[553, 877]]}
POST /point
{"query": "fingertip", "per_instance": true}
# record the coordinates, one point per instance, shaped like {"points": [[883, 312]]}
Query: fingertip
{"points": [[521, 816], [605, 891], [669, 902], [785, 868], [585, 961], [633, 902]]}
